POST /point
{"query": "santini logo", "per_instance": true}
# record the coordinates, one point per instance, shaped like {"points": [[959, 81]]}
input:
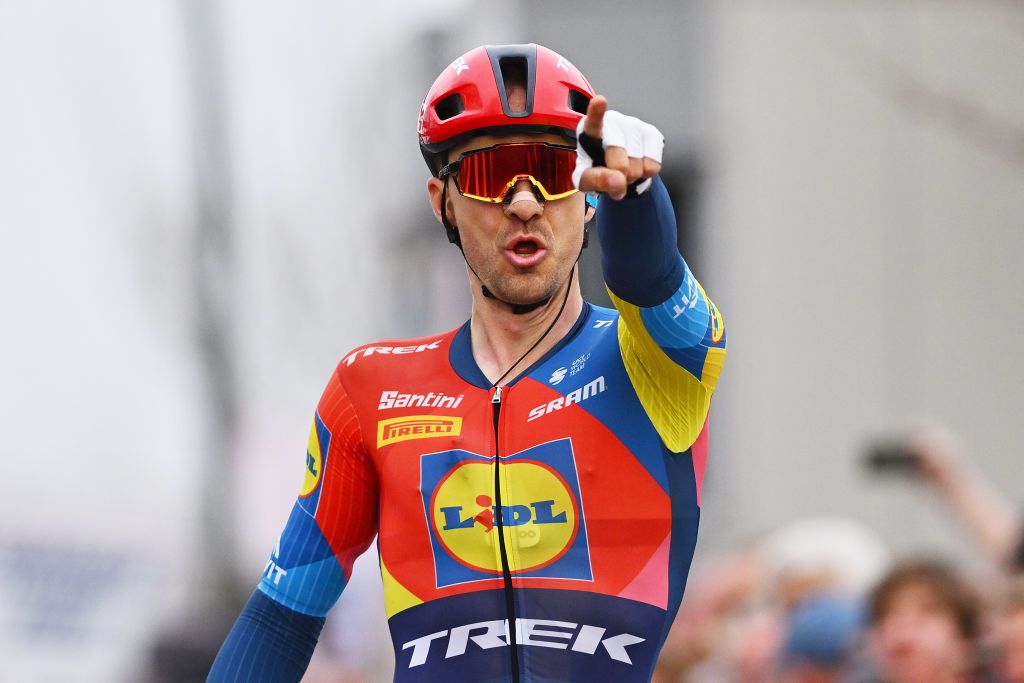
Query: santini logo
{"points": [[393, 399], [577, 396], [411, 427], [557, 376], [536, 632]]}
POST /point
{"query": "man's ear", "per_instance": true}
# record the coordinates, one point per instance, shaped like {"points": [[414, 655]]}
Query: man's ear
{"points": [[434, 189]]}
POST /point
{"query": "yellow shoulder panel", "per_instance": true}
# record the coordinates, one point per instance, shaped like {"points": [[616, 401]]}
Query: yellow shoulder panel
{"points": [[676, 401]]}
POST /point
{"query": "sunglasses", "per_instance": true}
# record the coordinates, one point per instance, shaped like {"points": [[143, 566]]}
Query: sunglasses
{"points": [[488, 174]]}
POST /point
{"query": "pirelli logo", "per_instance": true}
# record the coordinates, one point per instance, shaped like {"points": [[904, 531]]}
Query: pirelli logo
{"points": [[409, 427]]}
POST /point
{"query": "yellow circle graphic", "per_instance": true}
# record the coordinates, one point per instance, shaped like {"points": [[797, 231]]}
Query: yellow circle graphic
{"points": [[540, 517]]}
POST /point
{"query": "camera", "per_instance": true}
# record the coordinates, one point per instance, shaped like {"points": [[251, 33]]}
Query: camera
{"points": [[891, 457]]}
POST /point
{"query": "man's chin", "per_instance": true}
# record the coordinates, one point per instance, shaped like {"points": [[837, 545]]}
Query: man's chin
{"points": [[525, 295]]}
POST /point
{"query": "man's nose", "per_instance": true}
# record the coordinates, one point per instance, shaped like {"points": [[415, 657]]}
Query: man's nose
{"points": [[523, 203]]}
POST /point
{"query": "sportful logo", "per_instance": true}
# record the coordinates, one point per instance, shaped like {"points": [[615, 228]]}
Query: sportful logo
{"points": [[534, 632], [389, 350], [603, 323], [394, 399], [557, 376], [577, 396], [409, 427]]}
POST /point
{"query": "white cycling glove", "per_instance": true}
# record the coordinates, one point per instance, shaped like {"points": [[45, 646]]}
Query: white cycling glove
{"points": [[639, 138]]}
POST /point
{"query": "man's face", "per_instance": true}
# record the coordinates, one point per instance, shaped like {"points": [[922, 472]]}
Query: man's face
{"points": [[917, 640], [524, 249]]}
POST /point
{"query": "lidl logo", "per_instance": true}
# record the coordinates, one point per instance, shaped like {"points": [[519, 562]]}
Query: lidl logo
{"points": [[317, 450], [410, 427], [717, 324], [540, 512]]}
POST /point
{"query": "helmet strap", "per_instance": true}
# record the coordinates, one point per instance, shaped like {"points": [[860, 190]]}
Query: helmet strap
{"points": [[450, 230]]}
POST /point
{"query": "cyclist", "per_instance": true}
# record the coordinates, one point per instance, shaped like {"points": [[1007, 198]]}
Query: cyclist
{"points": [[533, 477]]}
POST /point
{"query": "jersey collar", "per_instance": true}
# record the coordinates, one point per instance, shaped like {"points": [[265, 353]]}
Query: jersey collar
{"points": [[460, 353]]}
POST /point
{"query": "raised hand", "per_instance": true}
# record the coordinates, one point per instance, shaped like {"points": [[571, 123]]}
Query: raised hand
{"points": [[631, 151]]}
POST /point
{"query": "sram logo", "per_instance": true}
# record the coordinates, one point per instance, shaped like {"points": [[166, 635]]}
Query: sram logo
{"points": [[560, 635], [389, 350], [410, 427], [576, 396]]}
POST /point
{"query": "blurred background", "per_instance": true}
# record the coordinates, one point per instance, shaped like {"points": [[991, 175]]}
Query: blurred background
{"points": [[205, 203]]}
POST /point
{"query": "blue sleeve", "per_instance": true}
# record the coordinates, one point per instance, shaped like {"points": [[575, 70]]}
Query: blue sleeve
{"points": [[639, 256], [671, 335], [268, 642]]}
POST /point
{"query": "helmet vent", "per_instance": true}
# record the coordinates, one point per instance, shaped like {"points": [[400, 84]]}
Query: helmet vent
{"points": [[578, 101], [450, 106], [513, 75]]}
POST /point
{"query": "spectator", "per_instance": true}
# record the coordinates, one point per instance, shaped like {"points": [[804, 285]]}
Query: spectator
{"points": [[925, 621], [820, 641]]}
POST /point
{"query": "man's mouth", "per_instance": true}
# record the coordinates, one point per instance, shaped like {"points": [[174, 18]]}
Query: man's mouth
{"points": [[525, 252]]}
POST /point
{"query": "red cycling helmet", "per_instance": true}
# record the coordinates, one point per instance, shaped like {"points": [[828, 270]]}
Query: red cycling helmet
{"points": [[469, 98]]}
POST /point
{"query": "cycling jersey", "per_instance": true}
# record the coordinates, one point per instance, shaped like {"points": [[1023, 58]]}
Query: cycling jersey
{"points": [[540, 531]]}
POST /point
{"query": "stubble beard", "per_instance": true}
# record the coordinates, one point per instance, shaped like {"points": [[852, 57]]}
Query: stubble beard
{"points": [[523, 288]]}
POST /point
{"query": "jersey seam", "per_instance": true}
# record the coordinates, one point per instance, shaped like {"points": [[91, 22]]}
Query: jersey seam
{"points": [[359, 424]]}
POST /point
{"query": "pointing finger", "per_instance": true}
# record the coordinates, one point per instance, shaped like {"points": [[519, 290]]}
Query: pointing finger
{"points": [[593, 124]]}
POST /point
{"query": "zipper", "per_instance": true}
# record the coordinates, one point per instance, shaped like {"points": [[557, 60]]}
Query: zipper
{"points": [[506, 573]]}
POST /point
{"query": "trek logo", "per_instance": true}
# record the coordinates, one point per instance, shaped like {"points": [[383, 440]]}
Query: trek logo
{"points": [[393, 399], [560, 635], [541, 514], [409, 427], [389, 350], [576, 396]]}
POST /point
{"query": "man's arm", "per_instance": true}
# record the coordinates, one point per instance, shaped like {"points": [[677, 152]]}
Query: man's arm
{"points": [[985, 510], [671, 335], [332, 522], [268, 642]]}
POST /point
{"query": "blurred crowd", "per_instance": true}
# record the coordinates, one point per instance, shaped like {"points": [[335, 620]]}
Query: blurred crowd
{"points": [[821, 601]]}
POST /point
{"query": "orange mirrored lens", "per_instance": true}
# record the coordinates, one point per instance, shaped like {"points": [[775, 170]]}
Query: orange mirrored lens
{"points": [[488, 174]]}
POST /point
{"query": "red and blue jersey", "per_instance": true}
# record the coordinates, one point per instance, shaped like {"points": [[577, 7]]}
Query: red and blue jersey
{"points": [[540, 532]]}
